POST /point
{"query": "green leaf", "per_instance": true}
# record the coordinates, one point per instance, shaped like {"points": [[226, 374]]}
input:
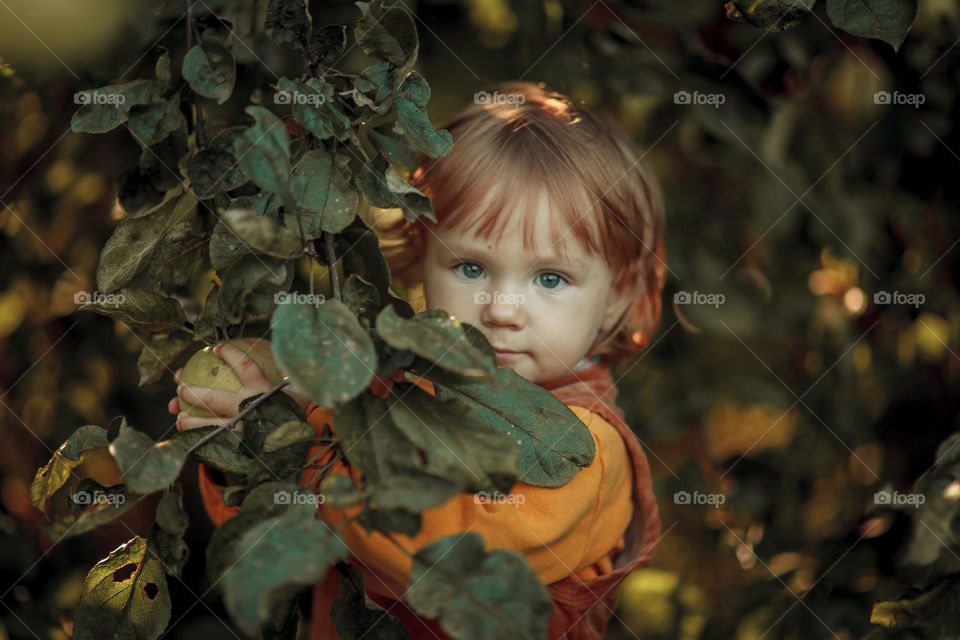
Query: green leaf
{"points": [[362, 298], [146, 466], [68, 456], [136, 192], [775, 15], [400, 476], [177, 257], [149, 124], [329, 42], [887, 20], [91, 517], [314, 105], [339, 492], [263, 151], [359, 249], [261, 503], [383, 188], [324, 350], [394, 150], [250, 286], [374, 87], [166, 533], [210, 69], [262, 234], [140, 309], [930, 612], [133, 242], [438, 337], [124, 596], [287, 434], [554, 442], [288, 22], [157, 355], [415, 89], [266, 418], [478, 595], [223, 452], [292, 550], [327, 201], [355, 616], [412, 122], [214, 169], [459, 447], [108, 107], [387, 32]]}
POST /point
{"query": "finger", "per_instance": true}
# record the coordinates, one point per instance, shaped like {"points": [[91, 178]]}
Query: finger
{"points": [[177, 374], [249, 372], [222, 403], [186, 422], [174, 406]]}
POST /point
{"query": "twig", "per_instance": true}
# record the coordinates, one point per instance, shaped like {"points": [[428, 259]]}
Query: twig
{"points": [[332, 264], [237, 418]]}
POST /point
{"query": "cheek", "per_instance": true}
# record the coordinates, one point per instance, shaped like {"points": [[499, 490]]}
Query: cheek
{"points": [[442, 291]]}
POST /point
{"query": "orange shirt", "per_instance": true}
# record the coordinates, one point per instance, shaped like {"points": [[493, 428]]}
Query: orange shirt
{"points": [[573, 530]]}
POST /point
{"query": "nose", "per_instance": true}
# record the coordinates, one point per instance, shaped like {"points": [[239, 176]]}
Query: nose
{"points": [[501, 309]]}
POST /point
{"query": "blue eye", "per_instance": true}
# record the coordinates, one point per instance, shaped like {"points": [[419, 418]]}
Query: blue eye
{"points": [[469, 270], [550, 280]]}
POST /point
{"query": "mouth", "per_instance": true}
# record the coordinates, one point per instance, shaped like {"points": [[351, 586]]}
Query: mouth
{"points": [[506, 353]]}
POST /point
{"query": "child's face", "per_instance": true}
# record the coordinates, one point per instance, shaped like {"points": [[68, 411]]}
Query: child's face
{"points": [[527, 301]]}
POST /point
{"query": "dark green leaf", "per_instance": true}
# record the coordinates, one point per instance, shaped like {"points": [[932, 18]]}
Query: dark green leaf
{"points": [[288, 22], [292, 550], [554, 443], [263, 151], [215, 169], [157, 354], [387, 32], [129, 249], [324, 350], [887, 20], [250, 286], [327, 201], [262, 234], [149, 124], [478, 595], [177, 257], [356, 617], [146, 466], [210, 70], [166, 534], [412, 122], [140, 309], [438, 337], [223, 451], [775, 15], [329, 42], [108, 107]]}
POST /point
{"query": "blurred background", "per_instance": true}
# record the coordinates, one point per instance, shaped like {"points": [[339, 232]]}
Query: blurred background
{"points": [[797, 401]]}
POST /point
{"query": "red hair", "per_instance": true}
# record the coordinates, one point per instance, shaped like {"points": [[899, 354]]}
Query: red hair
{"points": [[523, 141]]}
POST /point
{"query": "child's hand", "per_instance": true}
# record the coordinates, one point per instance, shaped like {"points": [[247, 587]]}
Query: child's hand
{"points": [[225, 404]]}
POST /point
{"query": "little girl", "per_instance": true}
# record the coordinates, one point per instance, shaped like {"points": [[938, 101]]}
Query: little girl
{"points": [[549, 240]]}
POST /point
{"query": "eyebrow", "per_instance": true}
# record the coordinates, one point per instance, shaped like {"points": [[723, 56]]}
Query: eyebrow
{"points": [[548, 259]]}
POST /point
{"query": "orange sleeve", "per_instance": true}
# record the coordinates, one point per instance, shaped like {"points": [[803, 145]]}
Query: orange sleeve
{"points": [[559, 531]]}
